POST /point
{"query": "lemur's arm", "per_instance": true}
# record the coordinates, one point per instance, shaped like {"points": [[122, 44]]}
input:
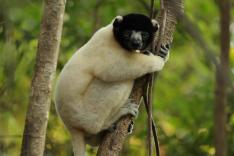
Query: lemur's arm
{"points": [[128, 68]]}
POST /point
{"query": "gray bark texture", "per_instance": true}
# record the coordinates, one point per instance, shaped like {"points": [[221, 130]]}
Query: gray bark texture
{"points": [[113, 142], [46, 61], [222, 75]]}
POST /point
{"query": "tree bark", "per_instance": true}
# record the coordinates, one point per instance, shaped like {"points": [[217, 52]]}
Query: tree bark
{"points": [[113, 142], [222, 74], [46, 62]]}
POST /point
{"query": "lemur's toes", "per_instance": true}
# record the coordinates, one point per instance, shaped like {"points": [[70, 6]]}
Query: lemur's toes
{"points": [[130, 127]]}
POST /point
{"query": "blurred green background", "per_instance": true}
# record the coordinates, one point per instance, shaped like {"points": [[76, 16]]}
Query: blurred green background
{"points": [[184, 92]]}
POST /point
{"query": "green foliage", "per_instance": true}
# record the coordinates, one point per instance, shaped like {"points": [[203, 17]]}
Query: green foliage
{"points": [[184, 92]]}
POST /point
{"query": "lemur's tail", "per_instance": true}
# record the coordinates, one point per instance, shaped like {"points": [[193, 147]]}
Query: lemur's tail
{"points": [[78, 142]]}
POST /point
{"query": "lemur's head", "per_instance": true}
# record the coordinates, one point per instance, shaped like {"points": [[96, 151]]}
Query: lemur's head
{"points": [[134, 31]]}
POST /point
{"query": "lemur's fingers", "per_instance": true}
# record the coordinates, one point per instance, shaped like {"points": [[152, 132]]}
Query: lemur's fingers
{"points": [[163, 47], [167, 46], [164, 50], [130, 127], [163, 53], [147, 52]]}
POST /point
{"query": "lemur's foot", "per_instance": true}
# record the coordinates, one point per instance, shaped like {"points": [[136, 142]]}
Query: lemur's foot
{"points": [[130, 108], [113, 127], [130, 127]]}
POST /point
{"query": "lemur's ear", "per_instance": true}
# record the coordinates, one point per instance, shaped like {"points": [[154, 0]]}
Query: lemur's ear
{"points": [[117, 20], [155, 24]]}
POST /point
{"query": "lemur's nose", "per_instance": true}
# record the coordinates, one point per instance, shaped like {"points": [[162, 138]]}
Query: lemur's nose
{"points": [[136, 41]]}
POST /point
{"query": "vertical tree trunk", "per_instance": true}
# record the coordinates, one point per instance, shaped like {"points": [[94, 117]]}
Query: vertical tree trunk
{"points": [[112, 142], [220, 114], [46, 61]]}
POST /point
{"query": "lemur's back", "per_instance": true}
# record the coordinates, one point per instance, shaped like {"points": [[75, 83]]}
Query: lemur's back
{"points": [[78, 71]]}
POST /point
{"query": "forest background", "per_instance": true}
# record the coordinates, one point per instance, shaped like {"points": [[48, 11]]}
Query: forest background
{"points": [[183, 96]]}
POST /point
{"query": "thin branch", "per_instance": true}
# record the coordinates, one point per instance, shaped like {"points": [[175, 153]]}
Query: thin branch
{"points": [[16, 136], [147, 6], [222, 77]]}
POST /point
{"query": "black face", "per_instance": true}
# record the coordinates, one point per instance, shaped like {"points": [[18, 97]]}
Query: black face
{"points": [[135, 39], [134, 31]]}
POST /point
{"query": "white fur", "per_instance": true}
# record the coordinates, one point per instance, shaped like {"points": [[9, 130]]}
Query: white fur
{"points": [[94, 86], [119, 18], [155, 23]]}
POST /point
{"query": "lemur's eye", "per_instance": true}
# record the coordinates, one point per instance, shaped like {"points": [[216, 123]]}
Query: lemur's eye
{"points": [[145, 35], [127, 33]]}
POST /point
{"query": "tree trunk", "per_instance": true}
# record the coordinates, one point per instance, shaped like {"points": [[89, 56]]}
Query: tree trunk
{"points": [[112, 142], [222, 74], [46, 62]]}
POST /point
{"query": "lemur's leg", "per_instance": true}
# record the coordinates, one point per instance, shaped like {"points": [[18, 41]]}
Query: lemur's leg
{"points": [[95, 140], [128, 108], [96, 106]]}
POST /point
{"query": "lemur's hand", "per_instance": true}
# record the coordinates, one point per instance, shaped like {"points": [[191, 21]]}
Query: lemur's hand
{"points": [[164, 51], [147, 52]]}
